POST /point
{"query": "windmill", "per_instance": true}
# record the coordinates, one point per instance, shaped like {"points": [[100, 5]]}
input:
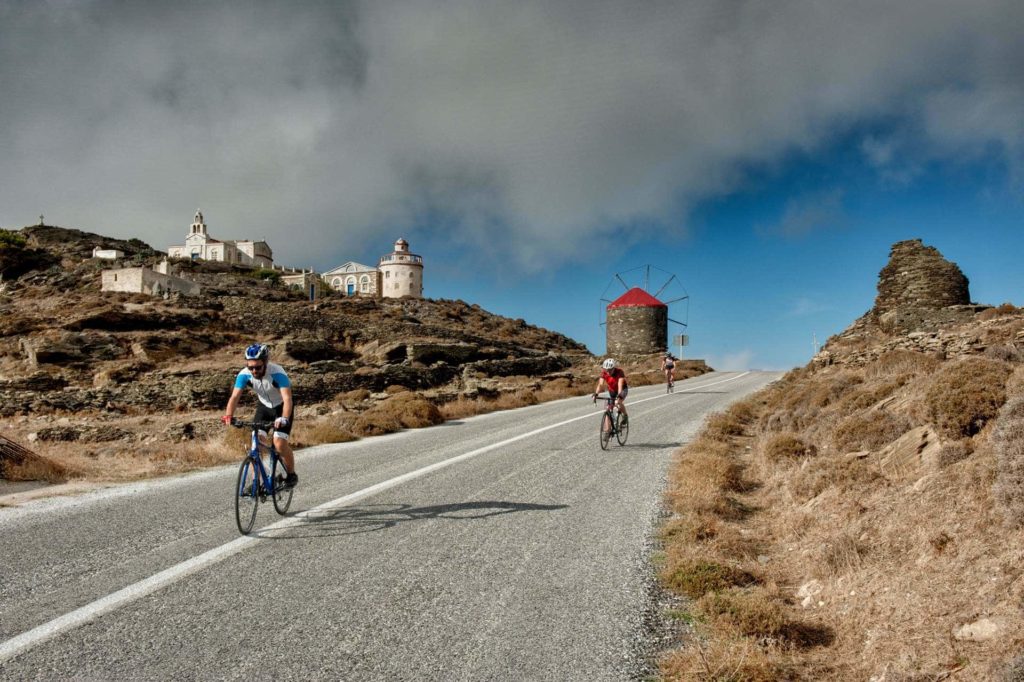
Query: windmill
{"points": [[637, 322]]}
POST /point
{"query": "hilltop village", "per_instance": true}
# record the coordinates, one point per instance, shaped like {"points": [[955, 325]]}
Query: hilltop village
{"points": [[398, 274]]}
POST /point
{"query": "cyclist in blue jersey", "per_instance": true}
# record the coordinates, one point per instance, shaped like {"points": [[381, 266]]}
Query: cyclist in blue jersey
{"points": [[273, 391]]}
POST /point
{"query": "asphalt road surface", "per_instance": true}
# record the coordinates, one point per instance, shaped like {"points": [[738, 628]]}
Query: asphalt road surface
{"points": [[507, 546]]}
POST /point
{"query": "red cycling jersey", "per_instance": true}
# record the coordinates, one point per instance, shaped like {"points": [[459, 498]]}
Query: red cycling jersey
{"points": [[612, 379]]}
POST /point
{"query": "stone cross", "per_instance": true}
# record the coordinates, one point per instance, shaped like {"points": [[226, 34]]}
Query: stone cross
{"points": [[40, 218]]}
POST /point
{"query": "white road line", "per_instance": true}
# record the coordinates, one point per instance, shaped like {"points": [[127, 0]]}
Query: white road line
{"points": [[104, 605]]}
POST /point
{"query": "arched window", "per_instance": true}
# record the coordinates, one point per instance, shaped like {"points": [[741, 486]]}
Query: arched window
{"points": [[336, 282], [364, 284]]}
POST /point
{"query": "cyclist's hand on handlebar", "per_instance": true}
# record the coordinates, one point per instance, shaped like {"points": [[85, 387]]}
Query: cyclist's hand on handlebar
{"points": [[594, 398], [280, 422], [227, 419]]}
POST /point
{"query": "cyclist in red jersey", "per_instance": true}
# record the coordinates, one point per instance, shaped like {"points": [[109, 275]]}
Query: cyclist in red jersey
{"points": [[614, 379]]}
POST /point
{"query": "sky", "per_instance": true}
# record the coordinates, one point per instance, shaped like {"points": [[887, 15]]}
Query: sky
{"points": [[761, 157]]}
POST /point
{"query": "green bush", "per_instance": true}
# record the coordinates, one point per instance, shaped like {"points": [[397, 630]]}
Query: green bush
{"points": [[12, 239], [266, 274]]}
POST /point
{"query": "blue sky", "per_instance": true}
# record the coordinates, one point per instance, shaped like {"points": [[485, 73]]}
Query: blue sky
{"points": [[767, 154]]}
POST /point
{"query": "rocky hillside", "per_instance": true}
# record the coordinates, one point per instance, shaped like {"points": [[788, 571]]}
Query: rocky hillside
{"points": [[73, 358], [863, 518]]}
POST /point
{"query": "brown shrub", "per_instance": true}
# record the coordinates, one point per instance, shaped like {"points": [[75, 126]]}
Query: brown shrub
{"points": [[842, 555], [999, 311], [1008, 440], [750, 612], [725, 660], [18, 463], [395, 389], [783, 446], [899, 362], [1004, 352], [722, 426], [696, 577], [964, 395], [839, 471], [355, 395], [869, 430], [402, 410], [955, 451], [325, 431]]}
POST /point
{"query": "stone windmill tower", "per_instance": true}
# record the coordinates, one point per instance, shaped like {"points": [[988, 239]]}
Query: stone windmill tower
{"points": [[636, 323]]}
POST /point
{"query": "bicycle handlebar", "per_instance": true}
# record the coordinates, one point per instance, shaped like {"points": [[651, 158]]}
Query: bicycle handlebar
{"points": [[241, 424]]}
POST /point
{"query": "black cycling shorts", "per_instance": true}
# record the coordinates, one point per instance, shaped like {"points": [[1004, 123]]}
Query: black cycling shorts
{"points": [[269, 414], [622, 394]]}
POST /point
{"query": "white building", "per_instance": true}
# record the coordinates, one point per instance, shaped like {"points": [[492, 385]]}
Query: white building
{"points": [[306, 280], [199, 245], [401, 272], [146, 281], [354, 279], [398, 274], [107, 254]]}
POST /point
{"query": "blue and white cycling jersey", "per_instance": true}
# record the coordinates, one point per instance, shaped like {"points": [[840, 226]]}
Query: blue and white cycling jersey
{"points": [[267, 389]]}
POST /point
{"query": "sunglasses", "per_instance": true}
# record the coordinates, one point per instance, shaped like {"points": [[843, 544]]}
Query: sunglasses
{"points": [[254, 368]]}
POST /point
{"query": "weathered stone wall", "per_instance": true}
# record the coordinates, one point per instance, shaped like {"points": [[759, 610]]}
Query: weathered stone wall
{"points": [[635, 330], [917, 277]]}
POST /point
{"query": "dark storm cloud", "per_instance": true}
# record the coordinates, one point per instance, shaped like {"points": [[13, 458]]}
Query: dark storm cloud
{"points": [[528, 127]]}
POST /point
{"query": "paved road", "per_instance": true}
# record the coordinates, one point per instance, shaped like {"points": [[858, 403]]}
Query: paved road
{"points": [[503, 547]]}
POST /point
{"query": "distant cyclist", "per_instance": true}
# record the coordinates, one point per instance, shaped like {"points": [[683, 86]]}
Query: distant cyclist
{"points": [[274, 392], [668, 366], [614, 379]]}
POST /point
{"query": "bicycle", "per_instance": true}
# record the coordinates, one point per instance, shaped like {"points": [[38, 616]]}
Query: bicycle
{"points": [[613, 423], [254, 483], [670, 385]]}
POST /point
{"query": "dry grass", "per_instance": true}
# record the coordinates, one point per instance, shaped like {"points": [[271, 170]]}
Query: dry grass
{"points": [[869, 430], [783, 446], [523, 397], [1008, 440], [892, 566], [325, 430]]}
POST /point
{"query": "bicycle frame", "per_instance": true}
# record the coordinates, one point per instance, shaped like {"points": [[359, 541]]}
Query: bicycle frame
{"points": [[265, 479], [611, 412]]}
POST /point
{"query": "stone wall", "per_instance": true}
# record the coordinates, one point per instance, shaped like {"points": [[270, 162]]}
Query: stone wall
{"points": [[637, 330]]}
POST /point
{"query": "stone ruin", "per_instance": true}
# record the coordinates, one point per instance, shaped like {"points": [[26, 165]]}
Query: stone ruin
{"points": [[919, 289], [922, 304]]}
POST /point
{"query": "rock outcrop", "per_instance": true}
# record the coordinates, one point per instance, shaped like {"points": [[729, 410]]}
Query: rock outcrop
{"points": [[923, 305]]}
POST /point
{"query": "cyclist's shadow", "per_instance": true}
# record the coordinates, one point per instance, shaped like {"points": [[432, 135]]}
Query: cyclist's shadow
{"points": [[377, 517]]}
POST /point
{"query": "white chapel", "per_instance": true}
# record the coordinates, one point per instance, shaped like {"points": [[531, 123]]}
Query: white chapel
{"points": [[199, 245]]}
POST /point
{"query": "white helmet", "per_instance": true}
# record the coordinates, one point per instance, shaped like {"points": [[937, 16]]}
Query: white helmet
{"points": [[608, 364]]}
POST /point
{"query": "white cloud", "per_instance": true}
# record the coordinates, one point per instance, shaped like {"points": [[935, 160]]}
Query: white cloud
{"points": [[530, 128], [810, 213], [731, 362], [805, 306]]}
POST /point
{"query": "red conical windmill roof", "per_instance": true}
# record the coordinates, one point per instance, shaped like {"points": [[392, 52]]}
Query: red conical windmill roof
{"points": [[636, 298]]}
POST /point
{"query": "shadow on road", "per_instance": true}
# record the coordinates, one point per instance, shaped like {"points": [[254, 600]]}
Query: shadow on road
{"points": [[650, 446], [365, 519]]}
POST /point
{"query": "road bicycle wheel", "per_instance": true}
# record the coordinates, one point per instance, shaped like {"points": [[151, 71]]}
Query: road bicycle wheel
{"points": [[622, 431], [282, 493], [247, 497], [606, 430]]}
